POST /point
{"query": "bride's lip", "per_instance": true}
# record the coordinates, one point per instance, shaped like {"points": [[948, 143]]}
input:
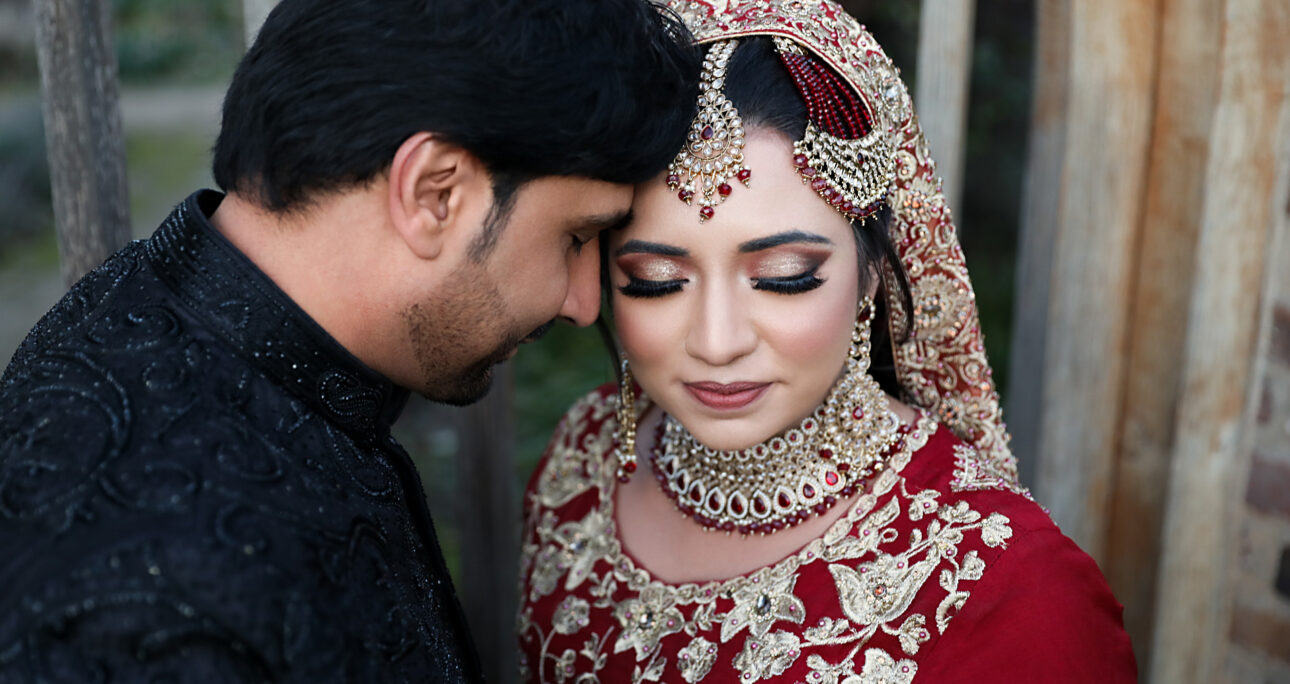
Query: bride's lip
{"points": [[726, 397]]}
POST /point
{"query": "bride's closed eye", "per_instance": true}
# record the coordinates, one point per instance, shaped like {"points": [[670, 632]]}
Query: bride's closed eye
{"points": [[652, 277], [787, 273]]}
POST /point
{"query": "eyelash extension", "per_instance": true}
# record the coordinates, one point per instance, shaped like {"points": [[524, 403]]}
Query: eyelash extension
{"points": [[646, 289], [796, 285]]}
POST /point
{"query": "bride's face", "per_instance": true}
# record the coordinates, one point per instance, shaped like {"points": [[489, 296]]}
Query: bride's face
{"points": [[737, 327]]}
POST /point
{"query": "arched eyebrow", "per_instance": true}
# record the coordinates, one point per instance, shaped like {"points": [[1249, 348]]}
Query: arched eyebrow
{"points": [[787, 237], [643, 247]]}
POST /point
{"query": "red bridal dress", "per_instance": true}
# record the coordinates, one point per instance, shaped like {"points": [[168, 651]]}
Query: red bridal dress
{"points": [[942, 572]]}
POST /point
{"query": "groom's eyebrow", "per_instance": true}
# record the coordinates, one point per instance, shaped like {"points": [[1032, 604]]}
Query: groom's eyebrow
{"points": [[784, 238], [642, 247], [602, 222]]}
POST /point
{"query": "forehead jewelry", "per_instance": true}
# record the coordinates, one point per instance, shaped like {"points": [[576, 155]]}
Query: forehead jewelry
{"points": [[847, 160], [714, 149]]}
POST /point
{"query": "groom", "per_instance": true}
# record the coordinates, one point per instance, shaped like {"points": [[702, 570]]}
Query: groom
{"points": [[197, 479]]}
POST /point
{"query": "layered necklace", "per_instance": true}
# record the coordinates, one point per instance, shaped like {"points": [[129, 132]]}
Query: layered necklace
{"points": [[805, 471]]}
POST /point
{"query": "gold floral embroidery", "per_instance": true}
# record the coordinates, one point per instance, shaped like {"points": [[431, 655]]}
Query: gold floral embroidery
{"points": [[571, 615], [758, 605], [695, 661], [877, 580], [767, 656], [973, 473], [646, 620]]}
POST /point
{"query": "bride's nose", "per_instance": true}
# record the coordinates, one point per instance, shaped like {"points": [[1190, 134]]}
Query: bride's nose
{"points": [[721, 331]]}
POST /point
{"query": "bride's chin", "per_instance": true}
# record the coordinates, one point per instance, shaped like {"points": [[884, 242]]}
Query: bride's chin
{"points": [[728, 437]]}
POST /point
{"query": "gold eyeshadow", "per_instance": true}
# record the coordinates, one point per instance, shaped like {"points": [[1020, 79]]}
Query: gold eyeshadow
{"points": [[643, 267], [784, 264]]}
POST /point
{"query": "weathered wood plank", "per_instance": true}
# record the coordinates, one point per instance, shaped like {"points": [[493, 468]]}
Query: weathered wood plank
{"points": [[488, 524], [1242, 205], [1107, 138], [944, 71], [1040, 199], [82, 112], [1186, 90]]}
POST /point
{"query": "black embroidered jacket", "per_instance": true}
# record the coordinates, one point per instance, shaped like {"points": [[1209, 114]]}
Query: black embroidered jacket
{"points": [[198, 484]]}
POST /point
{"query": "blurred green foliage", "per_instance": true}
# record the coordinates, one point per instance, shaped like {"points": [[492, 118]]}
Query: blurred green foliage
{"points": [[164, 40]]}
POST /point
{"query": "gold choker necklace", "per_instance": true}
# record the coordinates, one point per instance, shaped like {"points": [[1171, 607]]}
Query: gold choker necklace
{"points": [[774, 485]]}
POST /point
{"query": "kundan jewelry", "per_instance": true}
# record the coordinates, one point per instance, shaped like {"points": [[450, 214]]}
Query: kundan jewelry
{"points": [[714, 149], [771, 486]]}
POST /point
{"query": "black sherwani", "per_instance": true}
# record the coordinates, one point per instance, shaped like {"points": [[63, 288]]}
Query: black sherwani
{"points": [[198, 484]]}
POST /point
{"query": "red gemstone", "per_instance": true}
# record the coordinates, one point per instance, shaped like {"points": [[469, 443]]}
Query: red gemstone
{"points": [[630, 466], [760, 507], [819, 184], [848, 207], [728, 526], [858, 413], [821, 507], [685, 195], [826, 454], [695, 496], [809, 172], [844, 467], [713, 501], [737, 506], [706, 212], [792, 438], [673, 179], [707, 133], [830, 500], [778, 524], [808, 491], [831, 478], [829, 194], [799, 160], [784, 501], [808, 424], [744, 175], [745, 529], [724, 189]]}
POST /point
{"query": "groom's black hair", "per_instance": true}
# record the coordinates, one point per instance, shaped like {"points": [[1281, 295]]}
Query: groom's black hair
{"points": [[601, 89]]}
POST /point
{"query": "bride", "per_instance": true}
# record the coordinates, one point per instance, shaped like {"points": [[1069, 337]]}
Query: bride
{"points": [[754, 502]]}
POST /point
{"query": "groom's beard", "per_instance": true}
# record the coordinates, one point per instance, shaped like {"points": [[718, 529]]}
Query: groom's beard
{"points": [[448, 336]]}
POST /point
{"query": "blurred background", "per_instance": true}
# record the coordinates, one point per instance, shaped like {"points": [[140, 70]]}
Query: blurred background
{"points": [[1125, 160]]}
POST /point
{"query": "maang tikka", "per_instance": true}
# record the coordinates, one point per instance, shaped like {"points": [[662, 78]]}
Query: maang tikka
{"points": [[714, 149]]}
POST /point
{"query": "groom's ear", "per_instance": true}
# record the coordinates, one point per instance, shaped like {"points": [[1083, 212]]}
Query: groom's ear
{"points": [[439, 194]]}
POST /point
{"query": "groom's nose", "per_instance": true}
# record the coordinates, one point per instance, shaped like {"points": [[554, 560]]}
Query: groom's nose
{"points": [[582, 302]]}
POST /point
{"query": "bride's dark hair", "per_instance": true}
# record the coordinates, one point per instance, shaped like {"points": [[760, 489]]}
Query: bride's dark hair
{"points": [[760, 88]]}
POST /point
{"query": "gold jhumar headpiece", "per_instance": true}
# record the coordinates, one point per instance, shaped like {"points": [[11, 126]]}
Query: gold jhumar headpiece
{"points": [[864, 146]]}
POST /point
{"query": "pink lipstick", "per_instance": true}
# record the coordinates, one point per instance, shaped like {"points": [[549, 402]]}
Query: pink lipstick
{"points": [[729, 397]]}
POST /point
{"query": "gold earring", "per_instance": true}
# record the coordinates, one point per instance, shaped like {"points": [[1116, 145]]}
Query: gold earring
{"points": [[626, 453]]}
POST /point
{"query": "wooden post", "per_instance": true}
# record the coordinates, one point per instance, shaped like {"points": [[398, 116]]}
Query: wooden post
{"points": [[82, 112], [944, 70], [488, 524], [1242, 202], [1040, 199], [254, 12], [1110, 68], [1186, 92]]}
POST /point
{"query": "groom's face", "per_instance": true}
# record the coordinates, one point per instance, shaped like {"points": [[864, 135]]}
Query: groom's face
{"points": [[543, 265]]}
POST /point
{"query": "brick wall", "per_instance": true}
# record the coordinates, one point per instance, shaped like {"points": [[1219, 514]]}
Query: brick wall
{"points": [[1259, 634]]}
